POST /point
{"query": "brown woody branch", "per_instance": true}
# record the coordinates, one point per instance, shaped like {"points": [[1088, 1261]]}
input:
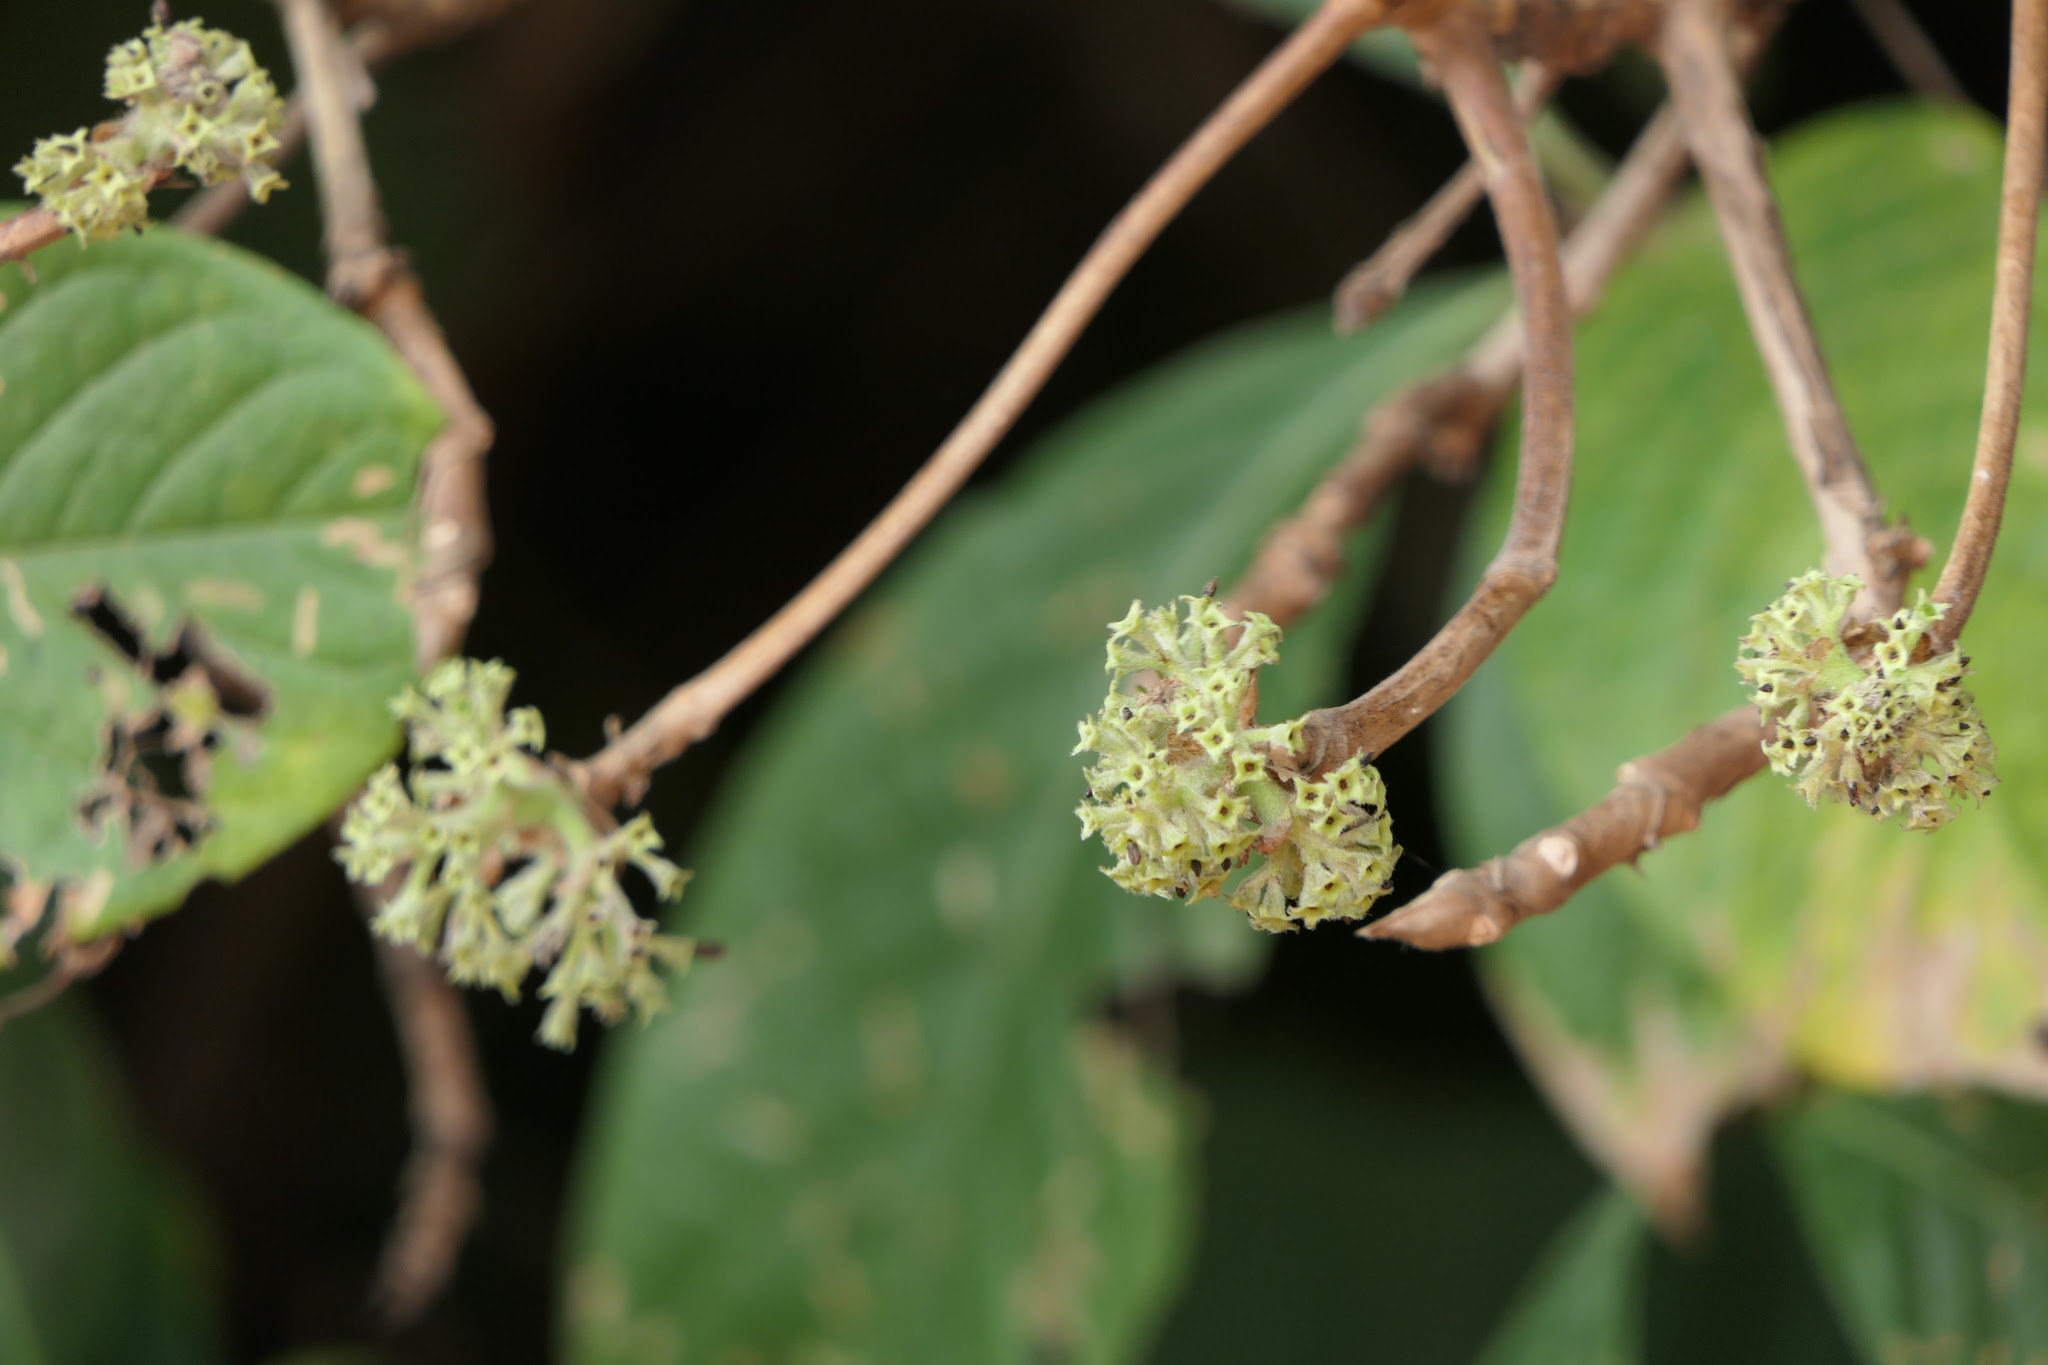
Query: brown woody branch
{"points": [[2012, 301], [1472, 907], [27, 231], [695, 708], [450, 1107], [451, 1130], [365, 274], [1442, 421], [1907, 47], [1708, 96], [1523, 570], [33, 229], [1653, 799], [1377, 283]]}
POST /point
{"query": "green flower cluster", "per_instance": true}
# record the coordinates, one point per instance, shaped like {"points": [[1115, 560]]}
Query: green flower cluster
{"points": [[196, 100], [1866, 713], [1185, 790], [506, 868], [1338, 855]]}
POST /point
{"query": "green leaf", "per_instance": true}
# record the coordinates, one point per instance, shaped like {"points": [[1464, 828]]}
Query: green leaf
{"points": [[1929, 1218], [886, 1126], [211, 445], [1583, 1303], [1776, 938], [98, 1254]]}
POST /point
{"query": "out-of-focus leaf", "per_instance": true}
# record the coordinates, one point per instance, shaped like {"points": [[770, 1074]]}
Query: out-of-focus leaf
{"points": [[228, 459], [1583, 1304], [99, 1261], [1776, 937], [18, 1339], [1341, 1189], [1929, 1218], [885, 1127]]}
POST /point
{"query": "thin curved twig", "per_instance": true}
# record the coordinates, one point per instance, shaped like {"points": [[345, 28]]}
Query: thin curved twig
{"points": [[365, 274], [33, 229], [1662, 795], [1907, 47], [695, 708], [1377, 283], [1708, 96], [27, 231], [2012, 302], [1441, 422], [1653, 799], [1527, 562], [451, 1114], [451, 1130]]}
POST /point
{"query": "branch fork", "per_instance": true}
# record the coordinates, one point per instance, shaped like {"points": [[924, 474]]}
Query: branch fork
{"points": [[1662, 795]]}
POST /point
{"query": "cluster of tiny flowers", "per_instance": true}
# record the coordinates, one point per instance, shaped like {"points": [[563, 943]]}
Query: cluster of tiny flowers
{"points": [[504, 869], [196, 100], [1885, 726], [1338, 856], [1183, 793]]}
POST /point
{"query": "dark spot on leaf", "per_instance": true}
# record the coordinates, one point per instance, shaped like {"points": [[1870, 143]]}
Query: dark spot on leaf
{"points": [[156, 756], [241, 696], [94, 607]]}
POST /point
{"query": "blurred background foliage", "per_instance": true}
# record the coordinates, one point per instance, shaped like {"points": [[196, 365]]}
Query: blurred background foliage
{"points": [[723, 275]]}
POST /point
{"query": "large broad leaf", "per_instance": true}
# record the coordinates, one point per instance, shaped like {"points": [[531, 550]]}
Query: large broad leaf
{"points": [[221, 462], [99, 1260], [886, 1126], [1583, 1305], [1776, 938], [1930, 1220]]}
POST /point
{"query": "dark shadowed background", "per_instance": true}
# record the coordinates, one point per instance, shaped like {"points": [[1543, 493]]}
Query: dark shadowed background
{"points": [[724, 275]]}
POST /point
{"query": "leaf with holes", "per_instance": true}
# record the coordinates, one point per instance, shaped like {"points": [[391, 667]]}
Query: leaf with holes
{"points": [[205, 478], [886, 1125], [1777, 938], [1929, 1218]]}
